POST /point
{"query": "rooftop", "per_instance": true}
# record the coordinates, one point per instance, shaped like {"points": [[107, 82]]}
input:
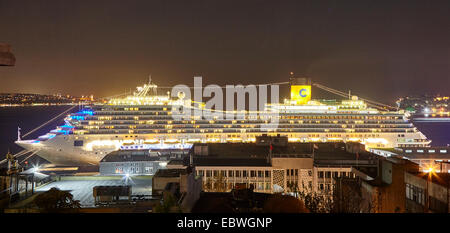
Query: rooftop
{"points": [[233, 162], [128, 156], [138, 155], [336, 154], [254, 150], [251, 154], [170, 172], [176, 162]]}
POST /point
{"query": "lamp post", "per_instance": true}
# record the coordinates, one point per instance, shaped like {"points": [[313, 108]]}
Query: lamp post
{"points": [[429, 174]]}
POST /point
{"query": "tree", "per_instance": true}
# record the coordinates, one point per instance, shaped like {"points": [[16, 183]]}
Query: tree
{"points": [[168, 204], [349, 197], [207, 186], [220, 184], [278, 203], [315, 202], [55, 200], [293, 188], [215, 184]]}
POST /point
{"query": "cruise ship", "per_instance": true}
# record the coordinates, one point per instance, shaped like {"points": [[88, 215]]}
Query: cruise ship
{"points": [[145, 120]]}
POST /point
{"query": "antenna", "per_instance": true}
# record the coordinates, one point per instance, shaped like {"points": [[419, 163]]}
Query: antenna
{"points": [[18, 135], [152, 86]]}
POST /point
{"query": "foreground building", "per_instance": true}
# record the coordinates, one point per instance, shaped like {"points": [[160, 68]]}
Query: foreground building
{"points": [[179, 183], [278, 166], [429, 158], [396, 186], [427, 192], [137, 162]]}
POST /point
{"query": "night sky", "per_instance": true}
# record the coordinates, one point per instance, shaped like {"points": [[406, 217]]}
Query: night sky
{"points": [[378, 49]]}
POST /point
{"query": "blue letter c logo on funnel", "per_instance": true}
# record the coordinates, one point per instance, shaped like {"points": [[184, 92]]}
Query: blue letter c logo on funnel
{"points": [[301, 91]]}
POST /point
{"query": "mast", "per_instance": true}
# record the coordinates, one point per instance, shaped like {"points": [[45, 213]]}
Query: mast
{"points": [[151, 85], [18, 134]]}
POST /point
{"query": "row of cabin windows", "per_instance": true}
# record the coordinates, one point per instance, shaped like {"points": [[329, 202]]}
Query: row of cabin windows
{"points": [[444, 151]]}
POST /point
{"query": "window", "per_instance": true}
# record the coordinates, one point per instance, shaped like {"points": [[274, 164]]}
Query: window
{"points": [[260, 173], [419, 151], [230, 174], [260, 186], [431, 151], [320, 174], [328, 174], [296, 172], [244, 174], [252, 173], [309, 173], [415, 194], [208, 173], [238, 173], [335, 174], [267, 174], [408, 151], [443, 151]]}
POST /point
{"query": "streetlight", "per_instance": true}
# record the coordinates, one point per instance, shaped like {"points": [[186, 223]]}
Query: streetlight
{"points": [[430, 173], [35, 169]]}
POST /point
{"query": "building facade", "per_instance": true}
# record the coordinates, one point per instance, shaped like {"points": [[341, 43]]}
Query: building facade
{"points": [[287, 168], [134, 162]]}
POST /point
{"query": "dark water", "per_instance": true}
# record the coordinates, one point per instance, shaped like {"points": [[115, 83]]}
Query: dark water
{"points": [[31, 117], [438, 132], [27, 118]]}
